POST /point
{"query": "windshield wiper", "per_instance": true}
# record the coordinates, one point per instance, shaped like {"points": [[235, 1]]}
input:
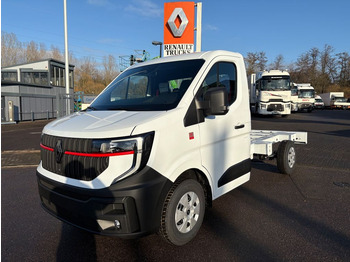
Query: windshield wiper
{"points": [[91, 108], [118, 108]]}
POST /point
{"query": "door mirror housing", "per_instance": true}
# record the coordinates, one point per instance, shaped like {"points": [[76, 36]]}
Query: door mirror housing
{"points": [[216, 101]]}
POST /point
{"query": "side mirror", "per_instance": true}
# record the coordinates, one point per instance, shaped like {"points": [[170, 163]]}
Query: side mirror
{"points": [[216, 101]]}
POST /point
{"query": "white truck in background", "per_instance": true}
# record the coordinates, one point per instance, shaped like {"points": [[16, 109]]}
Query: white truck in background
{"points": [[319, 104], [270, 92], [145, 157], [335, 100], [303, 97]]}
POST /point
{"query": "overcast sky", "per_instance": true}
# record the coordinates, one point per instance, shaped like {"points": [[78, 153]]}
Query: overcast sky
{"points": [[98, 28]]}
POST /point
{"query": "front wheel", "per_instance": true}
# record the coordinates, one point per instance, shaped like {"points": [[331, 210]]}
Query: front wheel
{"points": [[183, 212], [286, 157]]}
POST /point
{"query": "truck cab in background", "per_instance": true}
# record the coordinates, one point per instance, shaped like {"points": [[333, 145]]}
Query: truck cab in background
{"points": [[270, 92], [318, 103], [303, 97]]}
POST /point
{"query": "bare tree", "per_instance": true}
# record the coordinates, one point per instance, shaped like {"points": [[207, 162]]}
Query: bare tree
{"points": [[11, 50], [328, 62], [262, 61], [87, 77], [255, 62], [251, 60], [56, 53], [110, 69], [343, 62], [35, 52], [278, 63]]}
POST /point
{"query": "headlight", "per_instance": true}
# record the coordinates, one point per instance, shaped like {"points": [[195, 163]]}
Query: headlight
{"points": [[263, 106], [140, 146], [114, 146], [287, 105]]}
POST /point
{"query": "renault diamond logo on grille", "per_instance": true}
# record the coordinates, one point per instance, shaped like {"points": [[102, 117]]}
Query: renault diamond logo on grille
{"points": [[59, 151], [178, 12]]}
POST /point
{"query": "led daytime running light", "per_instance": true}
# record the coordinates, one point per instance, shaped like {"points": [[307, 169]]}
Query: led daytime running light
{"points": [[90, 154]]}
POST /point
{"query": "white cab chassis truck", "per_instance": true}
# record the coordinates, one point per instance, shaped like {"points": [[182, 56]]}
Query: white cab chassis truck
{"points": [[335, 100], [303, 97], [149, 155], [270, 92]]}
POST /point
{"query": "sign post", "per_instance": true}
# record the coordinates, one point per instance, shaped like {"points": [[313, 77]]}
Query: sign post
{"points": [[199, 28]]}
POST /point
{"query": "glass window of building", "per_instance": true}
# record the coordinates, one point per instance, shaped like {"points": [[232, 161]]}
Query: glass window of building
{"points": [[9, 76]]}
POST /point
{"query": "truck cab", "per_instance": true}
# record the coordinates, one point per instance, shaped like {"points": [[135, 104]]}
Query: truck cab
{"points": [[319, 104], [303, 97], [306, 97], [270, 92]]}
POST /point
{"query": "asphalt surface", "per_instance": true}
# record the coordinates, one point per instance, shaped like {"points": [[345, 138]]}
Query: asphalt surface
{"points": [[273, 217]]}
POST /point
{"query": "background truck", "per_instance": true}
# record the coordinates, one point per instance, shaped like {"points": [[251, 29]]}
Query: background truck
{"points": [[335, 100], [318, 103], [270, 92], [303, 97], [146, 157]]}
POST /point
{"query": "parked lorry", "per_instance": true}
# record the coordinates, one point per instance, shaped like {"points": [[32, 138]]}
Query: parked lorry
{"points": [[303, 97], [270, 92], [335, 100], [146, 157]]}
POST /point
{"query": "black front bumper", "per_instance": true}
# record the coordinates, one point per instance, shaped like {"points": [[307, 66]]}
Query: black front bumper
{"points": [[135, 202]]}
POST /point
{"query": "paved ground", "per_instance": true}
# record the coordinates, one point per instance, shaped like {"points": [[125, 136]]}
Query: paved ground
{"points": [[273, 217]]}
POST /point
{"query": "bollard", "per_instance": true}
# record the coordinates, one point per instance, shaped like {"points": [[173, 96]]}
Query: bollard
{"points": [[11, 111], [32, 114]]}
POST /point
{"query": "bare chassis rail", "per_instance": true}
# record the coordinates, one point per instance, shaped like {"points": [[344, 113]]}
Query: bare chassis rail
{"points": [[262, 140]]}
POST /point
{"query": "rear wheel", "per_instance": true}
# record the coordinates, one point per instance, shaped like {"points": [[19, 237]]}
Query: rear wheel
{"points": [[183, 212], [286, 157]]}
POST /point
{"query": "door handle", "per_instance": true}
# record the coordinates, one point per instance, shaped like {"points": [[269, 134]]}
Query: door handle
{"points": [[239, 126]]}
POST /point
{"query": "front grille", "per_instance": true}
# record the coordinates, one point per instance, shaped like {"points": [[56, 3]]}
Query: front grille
{"points": [[275, 107], [276, 100], [72, 166]]}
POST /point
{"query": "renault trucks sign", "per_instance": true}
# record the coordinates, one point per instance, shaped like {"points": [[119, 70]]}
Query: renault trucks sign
{"points": [[178, 28]]}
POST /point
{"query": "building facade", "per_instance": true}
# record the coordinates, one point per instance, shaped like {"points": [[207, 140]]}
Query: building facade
{"points": [[35, 91]]}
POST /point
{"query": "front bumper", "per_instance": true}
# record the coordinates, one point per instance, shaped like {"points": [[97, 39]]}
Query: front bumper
{"points": [[274, 108], [305, 106], [318, 106], [130, 208]]}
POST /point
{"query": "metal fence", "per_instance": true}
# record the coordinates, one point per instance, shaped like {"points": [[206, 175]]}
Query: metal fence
{"points": [[17, 108]]}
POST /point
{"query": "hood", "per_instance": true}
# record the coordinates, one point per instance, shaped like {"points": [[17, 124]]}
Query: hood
{"points": [[99, 124], [267, 95]]}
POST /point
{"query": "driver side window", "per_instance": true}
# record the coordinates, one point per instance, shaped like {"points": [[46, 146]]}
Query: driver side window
{"points": [[222, 74]]}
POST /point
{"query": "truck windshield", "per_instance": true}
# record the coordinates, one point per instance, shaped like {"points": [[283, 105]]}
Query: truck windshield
{"points": [[154, 87], [275, 83], [340, 99], [306, 93]]}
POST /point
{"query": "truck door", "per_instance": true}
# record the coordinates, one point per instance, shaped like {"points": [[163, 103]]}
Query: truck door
{"points": [[225, 139]]}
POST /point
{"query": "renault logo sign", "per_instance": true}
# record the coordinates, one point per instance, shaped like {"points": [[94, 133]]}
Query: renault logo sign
{"points": [[178, 28], [178, 12]]}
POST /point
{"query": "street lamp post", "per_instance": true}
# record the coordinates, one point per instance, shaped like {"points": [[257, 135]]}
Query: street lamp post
{"points": [[160, 46], [66, 58]]}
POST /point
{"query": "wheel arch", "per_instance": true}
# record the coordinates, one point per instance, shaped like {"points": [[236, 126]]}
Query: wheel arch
{"points": [[199, 176]]}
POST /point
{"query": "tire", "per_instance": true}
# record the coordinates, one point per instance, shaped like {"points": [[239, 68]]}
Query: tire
{"points": [[183, 212], [286, 157]]}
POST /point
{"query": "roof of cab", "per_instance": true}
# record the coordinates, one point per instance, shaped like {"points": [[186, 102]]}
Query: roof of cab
{"points": [[208, 55]]}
